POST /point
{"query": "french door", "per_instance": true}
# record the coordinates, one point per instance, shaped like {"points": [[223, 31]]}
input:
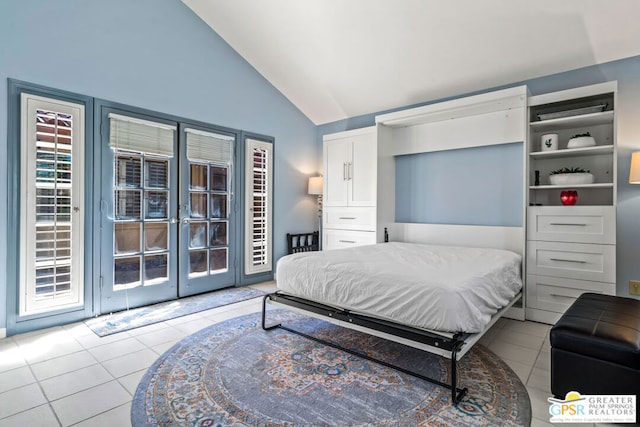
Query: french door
{"points": [[166, 211], [207, 249]]}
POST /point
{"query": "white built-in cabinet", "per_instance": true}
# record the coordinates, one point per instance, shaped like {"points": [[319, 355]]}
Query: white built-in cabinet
{"points": [[350, 188], [571, 249]]}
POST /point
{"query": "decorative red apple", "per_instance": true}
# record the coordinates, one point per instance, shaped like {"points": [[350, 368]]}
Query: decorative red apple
{"points": [[569, 197]]}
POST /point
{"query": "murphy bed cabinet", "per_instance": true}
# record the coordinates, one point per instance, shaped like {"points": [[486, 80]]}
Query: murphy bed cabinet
{"points": [[350, 188], [571, 249]]}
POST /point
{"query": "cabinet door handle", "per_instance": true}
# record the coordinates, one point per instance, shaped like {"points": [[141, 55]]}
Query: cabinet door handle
{"points": [[568, 223], [350, 171], [568, 260], [346, 241], [344, 171], [347, 217]]}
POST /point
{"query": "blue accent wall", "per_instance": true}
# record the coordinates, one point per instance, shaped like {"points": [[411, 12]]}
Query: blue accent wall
{"points": [[157, 55], [473, 186]]}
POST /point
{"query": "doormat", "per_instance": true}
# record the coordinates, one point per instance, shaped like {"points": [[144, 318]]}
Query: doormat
{"points": [[130, 319]]}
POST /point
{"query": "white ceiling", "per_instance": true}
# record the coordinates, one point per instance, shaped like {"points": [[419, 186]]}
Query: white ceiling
{"points": [[335, 59]]}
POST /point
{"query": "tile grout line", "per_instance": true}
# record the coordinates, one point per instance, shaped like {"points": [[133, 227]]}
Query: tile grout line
{"points": [[98, 414], [49, 401], [534, 364]]}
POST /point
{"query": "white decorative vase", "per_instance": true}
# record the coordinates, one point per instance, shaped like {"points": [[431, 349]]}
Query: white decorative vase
{"points": [[571, 178], [549, 142]]}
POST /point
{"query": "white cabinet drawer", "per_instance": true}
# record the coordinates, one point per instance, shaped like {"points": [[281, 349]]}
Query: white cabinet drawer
{"points": [[350, 218], [579, 224], [337, 239], [572, 260], [557, 294]]}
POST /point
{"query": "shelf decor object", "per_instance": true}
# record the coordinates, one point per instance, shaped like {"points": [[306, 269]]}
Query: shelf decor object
{"points": [[549, 142], [569, 197], [634, 173], [581, 140], [571, 178]]}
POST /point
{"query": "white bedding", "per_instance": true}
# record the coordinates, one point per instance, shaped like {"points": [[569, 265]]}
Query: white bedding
{"points": [[442, 288]]}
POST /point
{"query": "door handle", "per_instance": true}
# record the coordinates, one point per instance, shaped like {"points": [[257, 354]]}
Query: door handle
{"points": [[344, 171], [186, 220], [350, 171], [173, 220]]}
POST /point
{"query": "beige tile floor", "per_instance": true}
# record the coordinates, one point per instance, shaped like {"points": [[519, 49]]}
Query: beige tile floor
{"points": [[67, 375]]}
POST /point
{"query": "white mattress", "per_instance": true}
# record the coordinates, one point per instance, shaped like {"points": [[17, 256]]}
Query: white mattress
{"points": [[442, 288]]}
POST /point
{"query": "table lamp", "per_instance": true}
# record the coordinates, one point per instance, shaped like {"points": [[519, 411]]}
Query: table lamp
{"points": [[634, 173], [315, 188]]}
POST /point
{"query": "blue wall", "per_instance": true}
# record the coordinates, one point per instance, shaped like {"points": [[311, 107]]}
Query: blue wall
{"points": [[473, 186], [158, 55], [627, 73]]}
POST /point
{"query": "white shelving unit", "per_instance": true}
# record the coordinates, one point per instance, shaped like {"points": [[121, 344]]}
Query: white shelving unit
{"points": [[600, 159], [571, 249]]}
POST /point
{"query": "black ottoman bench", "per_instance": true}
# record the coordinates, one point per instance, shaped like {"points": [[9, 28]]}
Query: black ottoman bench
{"points": [[595, 347]]}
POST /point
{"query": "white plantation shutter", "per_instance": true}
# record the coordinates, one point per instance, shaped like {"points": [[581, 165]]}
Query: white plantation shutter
{"points": [[258, 202], [209, 147], [144, 136], [52, 185]]}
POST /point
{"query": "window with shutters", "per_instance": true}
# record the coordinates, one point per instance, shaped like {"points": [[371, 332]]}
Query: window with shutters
{"points": [[52, 218], [258, 206]]}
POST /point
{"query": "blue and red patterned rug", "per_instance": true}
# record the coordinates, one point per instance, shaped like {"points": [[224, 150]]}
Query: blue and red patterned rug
{"points": [[235, 374]]}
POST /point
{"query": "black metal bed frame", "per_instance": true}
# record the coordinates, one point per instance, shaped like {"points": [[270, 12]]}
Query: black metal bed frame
{"points": [[451, 344]]}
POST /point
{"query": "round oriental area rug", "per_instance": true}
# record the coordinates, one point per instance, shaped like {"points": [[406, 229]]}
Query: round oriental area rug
{"points": [[235, 374]]}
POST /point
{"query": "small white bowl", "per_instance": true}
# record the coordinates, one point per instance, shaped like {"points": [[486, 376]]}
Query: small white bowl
{"points": [[581, 141], [571, 178]]}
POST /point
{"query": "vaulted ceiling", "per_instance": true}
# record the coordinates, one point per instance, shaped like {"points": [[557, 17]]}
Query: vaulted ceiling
{"points": [[335, 59]]}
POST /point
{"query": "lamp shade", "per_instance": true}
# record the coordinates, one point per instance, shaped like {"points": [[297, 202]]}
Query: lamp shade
{"points": [[315, 185], [634, 174]]}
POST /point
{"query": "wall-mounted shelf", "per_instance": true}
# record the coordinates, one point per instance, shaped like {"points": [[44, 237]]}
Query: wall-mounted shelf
{"points": [[560, 187], [573, 152], [592, 119]]}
